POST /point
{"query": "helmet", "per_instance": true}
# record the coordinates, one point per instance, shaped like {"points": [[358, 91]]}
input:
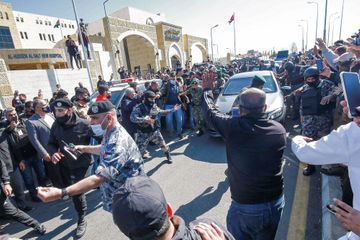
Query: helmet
{"points": [[311, 72], [289, 66]]}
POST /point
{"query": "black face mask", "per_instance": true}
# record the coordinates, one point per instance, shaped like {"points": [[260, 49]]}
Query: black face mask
{"points": [[313, 84], [62, 120], [150, 102], [46, 109]]}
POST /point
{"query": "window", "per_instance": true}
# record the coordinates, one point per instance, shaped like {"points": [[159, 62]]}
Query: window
{"points": [[40, 36], [49, 37], [21, 19], [40, 21], [45, 23], [26, 36], [5, 38], [7, 16], [1, 15], [44, 36], [37, 21], [65, 25], [62, 25], [52, 37], [21, 35], [49, 23]]}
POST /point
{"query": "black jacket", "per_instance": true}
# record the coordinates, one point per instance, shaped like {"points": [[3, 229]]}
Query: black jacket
{"points": [[6, 156], [77, 131], [254, 148], [19, 142], [127, 106]]}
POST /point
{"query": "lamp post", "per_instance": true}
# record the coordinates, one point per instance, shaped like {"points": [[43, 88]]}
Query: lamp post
{"points": [[307, 32], [328, 34], [105, 7], [82, 45], [302, 37], [333, 28], [325, 18], [341, 20], [211, 39], [317, 16]]}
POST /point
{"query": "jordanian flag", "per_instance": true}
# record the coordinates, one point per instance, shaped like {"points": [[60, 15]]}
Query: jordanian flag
{"points": [[232, 18], [57, 24]]}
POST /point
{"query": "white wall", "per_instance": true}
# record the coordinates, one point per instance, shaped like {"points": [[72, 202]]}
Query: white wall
{"points": [[30, 81], [96, 27], [32, 29], [137, 15]]}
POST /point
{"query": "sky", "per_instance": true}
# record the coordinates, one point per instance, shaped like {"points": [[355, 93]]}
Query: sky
{"points": [[261, 25]]}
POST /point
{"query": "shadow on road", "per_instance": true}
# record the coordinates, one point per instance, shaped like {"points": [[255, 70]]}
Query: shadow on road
{"points": [[47, 211], [207, 200]]}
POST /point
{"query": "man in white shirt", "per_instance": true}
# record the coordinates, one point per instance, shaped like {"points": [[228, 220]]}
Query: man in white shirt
{"points": [[341, 146]]}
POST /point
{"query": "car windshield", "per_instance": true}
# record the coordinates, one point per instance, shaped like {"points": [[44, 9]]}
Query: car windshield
{"points": [[116, 96], [235, 85]]}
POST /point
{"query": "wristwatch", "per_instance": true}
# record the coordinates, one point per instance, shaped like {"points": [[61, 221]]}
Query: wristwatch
{"points": [[64, 194]]}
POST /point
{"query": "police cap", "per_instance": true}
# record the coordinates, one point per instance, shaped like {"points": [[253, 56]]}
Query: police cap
{"points": [[100, 107], [62, 103]]}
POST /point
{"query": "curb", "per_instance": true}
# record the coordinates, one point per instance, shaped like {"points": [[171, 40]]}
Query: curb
{"points": [[331, 227]]}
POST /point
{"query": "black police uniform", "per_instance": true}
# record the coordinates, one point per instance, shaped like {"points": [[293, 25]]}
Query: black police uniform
{"points": [[77, 131]]}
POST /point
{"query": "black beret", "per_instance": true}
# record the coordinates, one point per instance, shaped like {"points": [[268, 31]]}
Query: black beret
{"points": [[100, 107], [62, 103]]}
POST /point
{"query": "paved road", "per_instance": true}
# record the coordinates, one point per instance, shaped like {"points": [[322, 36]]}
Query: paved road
{"points": [[195, 185]]}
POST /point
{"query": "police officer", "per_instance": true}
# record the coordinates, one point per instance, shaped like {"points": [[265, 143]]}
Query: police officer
{"points": [[196, 93], [317, 101], [120, 158], [70, 128], [145, 115]]}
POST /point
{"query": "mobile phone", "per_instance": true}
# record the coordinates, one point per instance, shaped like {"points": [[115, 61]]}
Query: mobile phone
{"points": [[235, 112], [351, 87], [319, 65], [330, 209], [357, 41]]}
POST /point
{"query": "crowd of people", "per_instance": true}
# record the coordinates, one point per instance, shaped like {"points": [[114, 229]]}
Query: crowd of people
{"points": [[65, 138]]}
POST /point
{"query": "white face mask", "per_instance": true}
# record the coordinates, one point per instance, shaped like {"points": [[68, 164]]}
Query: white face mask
{"points": [[97, 129]]}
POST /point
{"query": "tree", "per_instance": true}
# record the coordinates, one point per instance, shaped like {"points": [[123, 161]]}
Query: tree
{"points": [[293, 47]]}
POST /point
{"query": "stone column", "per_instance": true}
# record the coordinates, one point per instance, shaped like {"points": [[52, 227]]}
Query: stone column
{"points": [[6, 93]]}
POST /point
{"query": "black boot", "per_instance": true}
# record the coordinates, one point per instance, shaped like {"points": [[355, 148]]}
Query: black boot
{"points": [[81, 227], [168, 156], [309, 170], [40, 229], [200, 133]]}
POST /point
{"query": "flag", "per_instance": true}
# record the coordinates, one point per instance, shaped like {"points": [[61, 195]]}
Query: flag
{"points": [[57, 24], [232, 18]]}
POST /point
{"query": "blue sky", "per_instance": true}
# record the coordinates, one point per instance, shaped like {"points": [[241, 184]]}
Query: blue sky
{"points": [[260, 24]]}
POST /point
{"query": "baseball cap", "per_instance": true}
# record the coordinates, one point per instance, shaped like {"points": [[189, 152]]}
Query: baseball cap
{"points": [[140, 209]]}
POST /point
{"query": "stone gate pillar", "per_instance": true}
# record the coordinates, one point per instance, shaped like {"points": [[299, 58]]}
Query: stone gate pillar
{"points": [[6, 93]]}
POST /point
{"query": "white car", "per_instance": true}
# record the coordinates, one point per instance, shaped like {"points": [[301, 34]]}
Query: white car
{"points": [[276, 109]]}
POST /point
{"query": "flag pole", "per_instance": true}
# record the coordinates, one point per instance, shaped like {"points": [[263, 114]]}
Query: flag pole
{"points": [[234, 37], [62, 35]]}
